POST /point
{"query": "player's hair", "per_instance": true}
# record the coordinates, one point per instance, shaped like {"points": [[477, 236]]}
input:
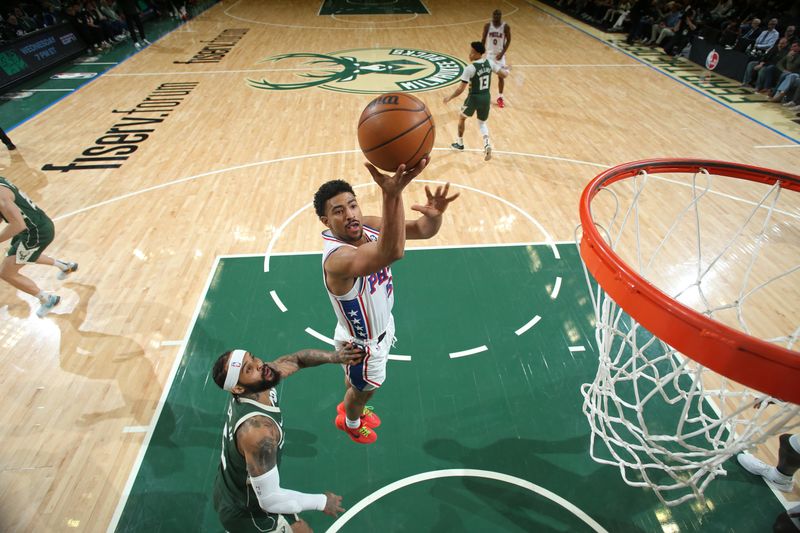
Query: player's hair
{"points": [[220, 369], [478, 47], [327, 191]]}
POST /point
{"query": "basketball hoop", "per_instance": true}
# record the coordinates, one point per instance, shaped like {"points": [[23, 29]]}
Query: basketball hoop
{"points": [[697, 308]]}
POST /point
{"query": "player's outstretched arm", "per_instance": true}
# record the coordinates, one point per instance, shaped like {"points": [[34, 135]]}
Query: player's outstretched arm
{"points": [[258, 439], [349, 354], [429, 223], [346, 262]]}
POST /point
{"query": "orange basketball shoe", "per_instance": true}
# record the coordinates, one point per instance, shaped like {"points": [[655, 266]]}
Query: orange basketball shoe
{"points": [[371, 420], [362, 435]]}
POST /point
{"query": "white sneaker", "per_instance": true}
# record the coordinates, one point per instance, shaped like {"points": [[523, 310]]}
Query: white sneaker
{"points": [[48, 306], [138, 45], [770, 474], [71, 267], [145, 41], [487, 150]]}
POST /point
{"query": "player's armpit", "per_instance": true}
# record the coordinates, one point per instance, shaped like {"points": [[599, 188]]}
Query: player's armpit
{"points": [[258, 439]]}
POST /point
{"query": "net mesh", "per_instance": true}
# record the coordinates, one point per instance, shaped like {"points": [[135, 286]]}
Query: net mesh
{"points": [[728, 250]]}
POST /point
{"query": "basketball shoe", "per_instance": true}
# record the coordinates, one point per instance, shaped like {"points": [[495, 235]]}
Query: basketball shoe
{"points": [[361, 435], [456, 146], [487, 151], [371, 420], [770, 474], [500, 102], [71, 267], [47, 306]]}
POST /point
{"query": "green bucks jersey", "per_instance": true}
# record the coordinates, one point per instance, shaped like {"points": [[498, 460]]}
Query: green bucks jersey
{"points": [[34, 217], [232, 489], [479, 76]]}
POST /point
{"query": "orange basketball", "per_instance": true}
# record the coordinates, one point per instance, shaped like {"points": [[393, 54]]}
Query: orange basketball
{"points": [[394, 129]]}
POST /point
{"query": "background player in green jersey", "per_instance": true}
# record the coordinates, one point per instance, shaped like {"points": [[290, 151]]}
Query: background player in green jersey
{"points": [[478, 75], [247, 492], [30, 231]]}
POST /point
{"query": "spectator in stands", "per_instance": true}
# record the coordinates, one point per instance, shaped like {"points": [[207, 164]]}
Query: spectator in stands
{"points": [[684, 32], [111, 28], [793, 96], [729, 34], [27, 23], [130, 11], [759, 67], [668, 25], [748, 33], [643, 14], [12, 28], [789, 34], [766, 39], [90, 33], [619, 11], [721, 11], [789, 66], [770, 72]]}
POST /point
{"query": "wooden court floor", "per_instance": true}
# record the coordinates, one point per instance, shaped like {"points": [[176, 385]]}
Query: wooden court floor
{"points": [[226, 161]]}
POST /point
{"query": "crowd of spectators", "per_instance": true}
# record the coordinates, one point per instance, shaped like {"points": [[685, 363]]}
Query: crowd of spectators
{"points": [[764, 30], [100, 23]]}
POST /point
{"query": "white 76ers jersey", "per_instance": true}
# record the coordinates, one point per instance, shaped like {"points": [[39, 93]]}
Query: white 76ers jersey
{"points": [[366, 310], [495, 38]]}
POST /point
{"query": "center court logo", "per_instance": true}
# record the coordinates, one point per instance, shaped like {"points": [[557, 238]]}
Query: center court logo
{"points": [[365, 70]]}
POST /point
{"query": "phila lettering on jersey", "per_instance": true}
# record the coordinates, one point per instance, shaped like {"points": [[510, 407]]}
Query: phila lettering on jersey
{"points": [[495, 39], [366, 310]]}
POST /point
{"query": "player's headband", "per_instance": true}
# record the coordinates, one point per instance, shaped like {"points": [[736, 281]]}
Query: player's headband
{"points": [[234, 368]]}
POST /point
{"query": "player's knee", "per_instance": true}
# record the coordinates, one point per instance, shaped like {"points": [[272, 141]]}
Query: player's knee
{"points": [[483, 127]]}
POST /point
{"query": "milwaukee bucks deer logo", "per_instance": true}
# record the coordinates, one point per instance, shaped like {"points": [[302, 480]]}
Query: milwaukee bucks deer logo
{"points": [[362, 71]]}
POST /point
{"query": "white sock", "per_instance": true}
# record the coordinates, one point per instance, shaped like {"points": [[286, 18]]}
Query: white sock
{"points": [[794, 440], [460, 140], [42, 296], [501, 95], [61, 264], [486, 140], [352, 424]]}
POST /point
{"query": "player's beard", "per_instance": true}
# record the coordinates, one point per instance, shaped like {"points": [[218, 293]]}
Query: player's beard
{"points": [[265, 383]]}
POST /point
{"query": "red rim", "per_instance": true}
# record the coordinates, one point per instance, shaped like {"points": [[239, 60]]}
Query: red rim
{"points": [[753, 362]]}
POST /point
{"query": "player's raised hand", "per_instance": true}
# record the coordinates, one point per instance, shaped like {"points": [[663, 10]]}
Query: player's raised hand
{"points": [[437, 203], [333, 506], [395, 183], [349, 354]]}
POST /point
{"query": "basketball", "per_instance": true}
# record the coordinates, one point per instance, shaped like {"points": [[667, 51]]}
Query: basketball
{"points": [[394, 129]]}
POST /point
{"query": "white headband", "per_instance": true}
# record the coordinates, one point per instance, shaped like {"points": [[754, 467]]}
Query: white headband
{"points": [[234, 367]]}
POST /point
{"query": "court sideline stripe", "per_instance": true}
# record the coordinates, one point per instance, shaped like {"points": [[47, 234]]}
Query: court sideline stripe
{"points": [[623, 51], [126, 491]]}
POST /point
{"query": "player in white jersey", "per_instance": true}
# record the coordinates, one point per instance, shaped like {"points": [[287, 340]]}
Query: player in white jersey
{"points": [[356, 269], [496, 39]]}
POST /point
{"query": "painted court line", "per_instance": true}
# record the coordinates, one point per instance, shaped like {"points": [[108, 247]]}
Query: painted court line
{"points": [[49, 90], [319, 336], [277, 300], [126, 491], [609, 65], [532, 322], [171, 343], [577, 348], [777, 146], [556, 288], [399, 357], [472, 351], [136, 429], [464, 472]]}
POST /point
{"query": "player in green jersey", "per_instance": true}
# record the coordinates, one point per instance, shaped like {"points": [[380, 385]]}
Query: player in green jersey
{"points": [[478, 76], [30, 231], [248, 496]]}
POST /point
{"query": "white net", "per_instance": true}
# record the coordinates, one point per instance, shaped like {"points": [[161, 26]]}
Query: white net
{"points": [[729, 249]]}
